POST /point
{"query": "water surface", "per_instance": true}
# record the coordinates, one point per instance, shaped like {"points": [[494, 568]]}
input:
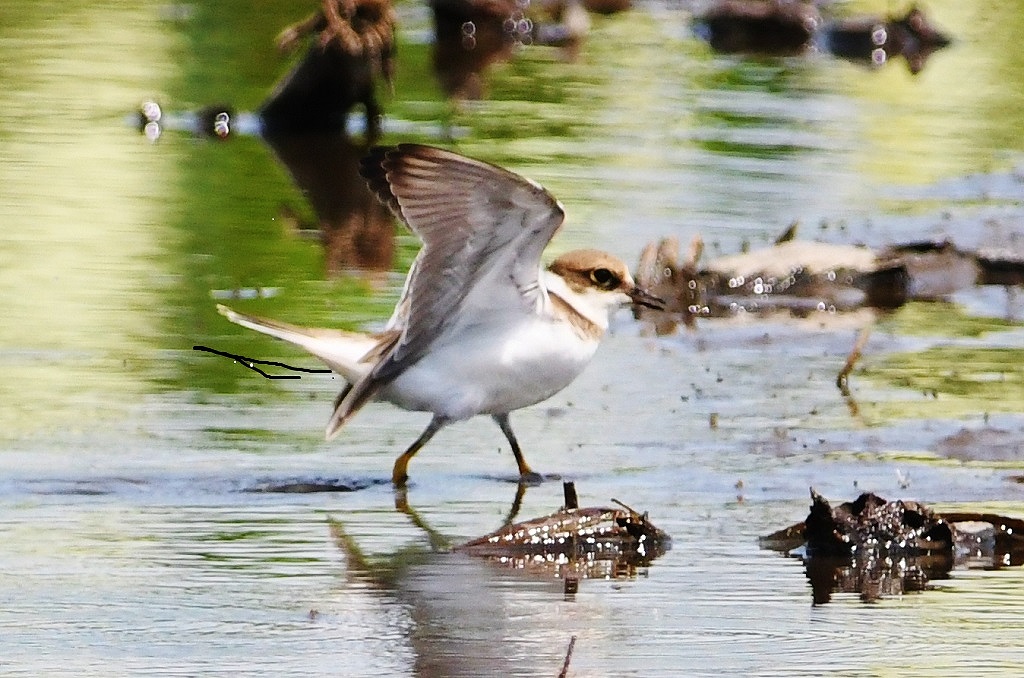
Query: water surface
{"points": [[131, 542]]}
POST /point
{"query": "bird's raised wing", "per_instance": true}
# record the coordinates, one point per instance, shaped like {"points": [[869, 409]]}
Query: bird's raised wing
{"points": [[483, 230]]}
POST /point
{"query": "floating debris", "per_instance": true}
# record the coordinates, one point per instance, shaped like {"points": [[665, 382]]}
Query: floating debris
{"points": [[806, 279], [788, 28], [879, 548], [472, 35], [587, 543]]}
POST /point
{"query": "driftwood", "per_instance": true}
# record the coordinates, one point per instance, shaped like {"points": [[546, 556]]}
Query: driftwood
{"points": [[805, 279], [878, 548], [596, 542]]}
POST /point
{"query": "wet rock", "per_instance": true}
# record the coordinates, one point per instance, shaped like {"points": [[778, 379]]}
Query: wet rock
{"points": [[870, 522], [798, 277], [812, 280], [1001, 267], [932, 270], [877, 548]]}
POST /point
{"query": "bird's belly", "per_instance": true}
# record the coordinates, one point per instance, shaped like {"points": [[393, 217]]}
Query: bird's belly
{"points": [[492, 371]]}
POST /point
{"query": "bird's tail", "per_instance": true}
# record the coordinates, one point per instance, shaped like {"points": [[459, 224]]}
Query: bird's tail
{"points": [[344, 352]]}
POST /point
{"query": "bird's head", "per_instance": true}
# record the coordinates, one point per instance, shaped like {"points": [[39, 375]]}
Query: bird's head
{"points": [[601, 279]]}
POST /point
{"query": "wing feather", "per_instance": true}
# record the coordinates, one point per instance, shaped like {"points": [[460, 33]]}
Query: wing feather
{"points": [[483, 230]]}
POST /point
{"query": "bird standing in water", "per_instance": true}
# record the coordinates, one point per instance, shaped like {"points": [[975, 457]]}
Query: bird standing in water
{"points": [[481, 327]]}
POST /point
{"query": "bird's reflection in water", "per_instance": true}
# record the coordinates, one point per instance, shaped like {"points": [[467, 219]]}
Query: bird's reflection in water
{"points": [[470, 614], [463, 617]]}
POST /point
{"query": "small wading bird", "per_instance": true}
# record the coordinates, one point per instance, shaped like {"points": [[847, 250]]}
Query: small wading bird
{"points": [[480, 328]]}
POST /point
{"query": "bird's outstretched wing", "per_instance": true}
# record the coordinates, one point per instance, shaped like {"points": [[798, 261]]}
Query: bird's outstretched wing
{"points": [[483, 230]]}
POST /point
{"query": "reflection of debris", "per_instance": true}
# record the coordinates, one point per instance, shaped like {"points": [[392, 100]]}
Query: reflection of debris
{"points": [[574, 542], [304, 121], [791, 27], [214, 121], [311, 485], [355, 46], [773, 27], [876, 40], [878, 548], [471, 35], [357, 231], [458, 607]]}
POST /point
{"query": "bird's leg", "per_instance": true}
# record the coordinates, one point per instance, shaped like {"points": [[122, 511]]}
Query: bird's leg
{"points": [[526, 474], [398, 474], [517, 504]]}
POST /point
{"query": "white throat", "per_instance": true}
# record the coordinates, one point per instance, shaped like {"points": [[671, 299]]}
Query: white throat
{"points": [[592, 303]]}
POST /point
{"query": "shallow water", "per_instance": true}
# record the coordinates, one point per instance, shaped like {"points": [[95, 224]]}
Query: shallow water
{"points": [[132, 542]]}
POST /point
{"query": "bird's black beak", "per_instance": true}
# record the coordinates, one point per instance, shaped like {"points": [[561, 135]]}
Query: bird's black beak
{"points": [[642, 297]]}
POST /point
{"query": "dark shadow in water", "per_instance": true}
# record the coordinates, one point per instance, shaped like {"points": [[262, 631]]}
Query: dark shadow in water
{"points": [[193, 485], [789, 28], [313, 485], [876, 548]]}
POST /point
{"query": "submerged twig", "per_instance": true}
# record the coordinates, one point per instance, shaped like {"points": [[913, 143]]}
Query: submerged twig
{"points": [[568, 658], [629, 508]]}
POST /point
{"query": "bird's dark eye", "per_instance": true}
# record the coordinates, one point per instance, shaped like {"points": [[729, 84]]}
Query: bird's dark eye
{"points": [[604, 278]]}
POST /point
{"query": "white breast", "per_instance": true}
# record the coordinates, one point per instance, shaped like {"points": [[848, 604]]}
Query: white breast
{"points": [[493, 368]]}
